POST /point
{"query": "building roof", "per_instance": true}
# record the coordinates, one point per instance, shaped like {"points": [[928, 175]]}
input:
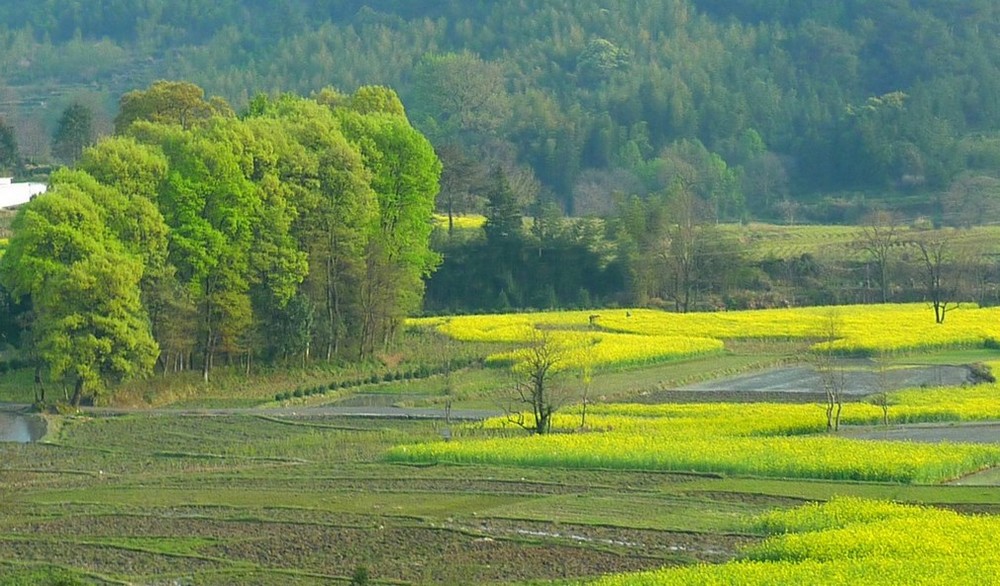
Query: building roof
{"points": [[16, 194]]}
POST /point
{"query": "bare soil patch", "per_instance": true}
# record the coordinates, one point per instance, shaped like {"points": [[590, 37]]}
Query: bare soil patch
{"points": [[861, 377], [976, 433], [490, 551]]}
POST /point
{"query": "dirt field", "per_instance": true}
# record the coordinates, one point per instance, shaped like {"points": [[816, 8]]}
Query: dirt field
{"points": [[860, 378], [978, 433]]}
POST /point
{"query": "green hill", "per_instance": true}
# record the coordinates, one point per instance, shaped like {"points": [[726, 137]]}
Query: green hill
{"points": [[780, 99]]}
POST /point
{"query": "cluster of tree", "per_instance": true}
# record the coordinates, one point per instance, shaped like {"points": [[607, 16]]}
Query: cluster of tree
{"points": [[74, 132], [767, 101], [298, 229], [665, 251]]}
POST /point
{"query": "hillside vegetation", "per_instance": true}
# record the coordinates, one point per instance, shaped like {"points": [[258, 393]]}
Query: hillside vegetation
{"points": [[767, 101]]}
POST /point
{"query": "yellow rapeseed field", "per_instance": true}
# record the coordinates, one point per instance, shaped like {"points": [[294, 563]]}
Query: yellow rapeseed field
{"points": [[851, 541], [461, 221], [864, 330], [775, 440]]}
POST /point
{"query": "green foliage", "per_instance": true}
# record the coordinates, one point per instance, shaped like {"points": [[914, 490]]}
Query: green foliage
{"points": [[168, 102], [10, 158], [568, 87], [459, 97], [503, 214], [90, 326], [74, 132], [301, 224]]}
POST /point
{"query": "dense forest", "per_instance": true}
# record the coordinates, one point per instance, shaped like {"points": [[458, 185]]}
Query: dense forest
{"points": [[770, 106]]}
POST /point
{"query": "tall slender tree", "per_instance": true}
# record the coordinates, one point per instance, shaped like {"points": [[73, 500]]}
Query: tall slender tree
{"points": [[10, 157], [74, 132]]}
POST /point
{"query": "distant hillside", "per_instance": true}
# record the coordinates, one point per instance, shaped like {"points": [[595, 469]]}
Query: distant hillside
{"points": [[762, 104]]}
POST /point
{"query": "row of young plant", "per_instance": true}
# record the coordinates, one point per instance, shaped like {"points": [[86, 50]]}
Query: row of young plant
{"points": [[422, 371], [850, 541]]}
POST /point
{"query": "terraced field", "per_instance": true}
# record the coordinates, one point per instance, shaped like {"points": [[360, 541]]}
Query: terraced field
{"points": [[276, 488]]}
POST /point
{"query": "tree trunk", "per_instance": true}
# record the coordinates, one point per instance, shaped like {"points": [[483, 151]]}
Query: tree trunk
{"points": [[331, 306], [39, 388], [77, 392], [206, 366]]}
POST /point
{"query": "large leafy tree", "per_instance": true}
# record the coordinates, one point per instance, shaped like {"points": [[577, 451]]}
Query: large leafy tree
{"points": [[330, 187], [169, 102], [137, 171], [90, 327], [211, 209], [276, 265], [405, 174], [459, 97]]}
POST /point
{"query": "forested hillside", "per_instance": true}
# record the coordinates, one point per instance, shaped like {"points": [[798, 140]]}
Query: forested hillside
{"points": [[763, 105]]}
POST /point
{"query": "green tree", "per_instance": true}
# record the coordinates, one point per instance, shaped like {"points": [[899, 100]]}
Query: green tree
{"points": [[74, 132], [461, 177], [503, 211], [337, 209], [405, 174], [459, 97], [10, 157], [212, 210], [137, 172], [90, 326], [599, 59], [169, 102]]}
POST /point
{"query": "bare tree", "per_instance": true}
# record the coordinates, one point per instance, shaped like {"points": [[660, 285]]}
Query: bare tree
{"points": [[881, 396], [587, 373], [830, 374], [878, 237], [972, 199], [534, 371], [938, 272]]}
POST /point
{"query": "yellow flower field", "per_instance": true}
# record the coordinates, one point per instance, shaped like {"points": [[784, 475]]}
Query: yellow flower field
{"points": [[868, 329], [774, 440], [657, 335], [461, 221], [851, 541]]}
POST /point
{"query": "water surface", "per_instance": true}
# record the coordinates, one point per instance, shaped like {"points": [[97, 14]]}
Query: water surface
{"points": [[20, 428]]}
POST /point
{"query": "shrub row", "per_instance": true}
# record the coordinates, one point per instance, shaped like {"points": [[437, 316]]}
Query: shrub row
{"points": [[420, 372], [15, 364]]}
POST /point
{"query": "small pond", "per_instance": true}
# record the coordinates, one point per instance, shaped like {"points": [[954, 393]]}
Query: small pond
{"points": [[20, 428]]}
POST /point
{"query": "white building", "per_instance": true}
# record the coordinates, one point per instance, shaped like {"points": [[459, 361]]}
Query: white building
{"points": [[15, 194]]}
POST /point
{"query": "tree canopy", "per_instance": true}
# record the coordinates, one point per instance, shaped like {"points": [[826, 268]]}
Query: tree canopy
{"points": [[196, 236]]}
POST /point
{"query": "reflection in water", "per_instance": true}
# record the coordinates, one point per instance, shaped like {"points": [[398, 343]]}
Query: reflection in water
{"points": [[19, 428]]}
